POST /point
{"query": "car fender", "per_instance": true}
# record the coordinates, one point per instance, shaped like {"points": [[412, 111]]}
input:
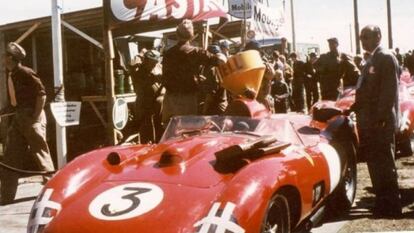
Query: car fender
{"points": [[267, 177], [90, 168]]}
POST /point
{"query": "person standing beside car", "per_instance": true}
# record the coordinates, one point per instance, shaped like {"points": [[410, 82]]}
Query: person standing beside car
{"points": [[147, 78], [377, 110], [311, 81], [27, 132], [349, 71], [181, 73], [328, 67], [298, 83]]}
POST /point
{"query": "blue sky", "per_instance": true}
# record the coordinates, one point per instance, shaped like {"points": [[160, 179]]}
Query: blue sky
{"points": [[315, 20]]}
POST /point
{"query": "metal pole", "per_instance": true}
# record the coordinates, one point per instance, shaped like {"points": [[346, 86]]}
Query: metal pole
{"points": [[243, 29], [58, 79], [356, 23], [292, 14], [390, 44], [109, 75]]}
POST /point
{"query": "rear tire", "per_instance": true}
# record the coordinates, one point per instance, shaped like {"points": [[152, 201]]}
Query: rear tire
{"points": [[277, 217], [342, 198]]}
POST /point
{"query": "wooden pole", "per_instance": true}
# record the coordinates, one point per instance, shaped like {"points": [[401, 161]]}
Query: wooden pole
{"points": [[34, 53], [390, 42], [356, 23], [27, 33]]}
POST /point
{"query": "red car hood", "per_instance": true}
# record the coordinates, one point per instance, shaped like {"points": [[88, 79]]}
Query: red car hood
{"points": [[191, 185], [191, 162]]}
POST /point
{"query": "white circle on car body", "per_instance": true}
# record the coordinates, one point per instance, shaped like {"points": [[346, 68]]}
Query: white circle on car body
{"points": [[334, 164], [126, 201]]}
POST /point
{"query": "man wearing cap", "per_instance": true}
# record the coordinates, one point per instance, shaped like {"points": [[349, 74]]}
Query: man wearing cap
{"points": [[181, 72], [149, 91], [27, 132], [328, 67], [225, 48]]}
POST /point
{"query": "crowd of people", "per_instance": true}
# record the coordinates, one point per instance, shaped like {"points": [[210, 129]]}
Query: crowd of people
{"points": [[191, 86], [185, 81]]}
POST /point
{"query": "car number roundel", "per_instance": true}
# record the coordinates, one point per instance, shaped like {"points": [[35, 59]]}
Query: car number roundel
{"points": [[126, 201]]}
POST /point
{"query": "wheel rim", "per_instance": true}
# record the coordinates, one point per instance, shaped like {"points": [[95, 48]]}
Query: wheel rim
{"points": [[277, 219], [350, 182]]}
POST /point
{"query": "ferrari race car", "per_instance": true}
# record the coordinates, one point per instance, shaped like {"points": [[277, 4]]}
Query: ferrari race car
{"points": [[208, 174], [323, 111]]}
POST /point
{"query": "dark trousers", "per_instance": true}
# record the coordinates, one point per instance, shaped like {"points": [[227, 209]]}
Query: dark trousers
{"points": [[298, 96], [150, 129], [378, 146], [329, 93], [26, 142], [312, 93]]}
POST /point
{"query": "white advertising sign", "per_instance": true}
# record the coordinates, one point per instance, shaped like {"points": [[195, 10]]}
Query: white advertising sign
{"points": [[236, 8], [267, 22], [66, 113]]}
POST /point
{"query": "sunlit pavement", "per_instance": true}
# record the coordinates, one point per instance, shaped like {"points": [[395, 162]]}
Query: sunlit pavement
{"points": [[14, 217]]}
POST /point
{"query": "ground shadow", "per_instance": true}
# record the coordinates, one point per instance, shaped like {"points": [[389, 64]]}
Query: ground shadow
{"points": [[363, 207], [19, 200], [24, 199]]}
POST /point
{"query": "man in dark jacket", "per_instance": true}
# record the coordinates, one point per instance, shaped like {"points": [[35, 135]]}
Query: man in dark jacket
{"points": [[349, 71], [149, 91], [181, 72], [377, 110], [298, 82], [328, 68], [311, 81], [27, 132]]}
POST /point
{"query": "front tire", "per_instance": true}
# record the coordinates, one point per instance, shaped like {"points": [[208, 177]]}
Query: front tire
{"points": [[277, 217], [342, 198]]}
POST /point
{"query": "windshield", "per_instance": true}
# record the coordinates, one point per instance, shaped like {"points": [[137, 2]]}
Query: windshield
{"points": [[184, 126]]}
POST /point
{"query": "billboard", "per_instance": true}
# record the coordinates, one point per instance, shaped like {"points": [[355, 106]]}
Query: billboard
{"points": [[144, 12]]}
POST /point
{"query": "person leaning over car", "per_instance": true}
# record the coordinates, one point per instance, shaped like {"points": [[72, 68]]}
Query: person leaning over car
{"points": [[377, 109], [28, 128], [181, 70]]}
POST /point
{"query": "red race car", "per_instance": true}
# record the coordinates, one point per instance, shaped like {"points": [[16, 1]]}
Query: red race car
{"points": [[208, 174], [323, 111]]}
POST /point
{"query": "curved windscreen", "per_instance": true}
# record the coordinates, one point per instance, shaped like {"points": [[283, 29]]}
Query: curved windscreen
{"points": [[183, 126]]}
